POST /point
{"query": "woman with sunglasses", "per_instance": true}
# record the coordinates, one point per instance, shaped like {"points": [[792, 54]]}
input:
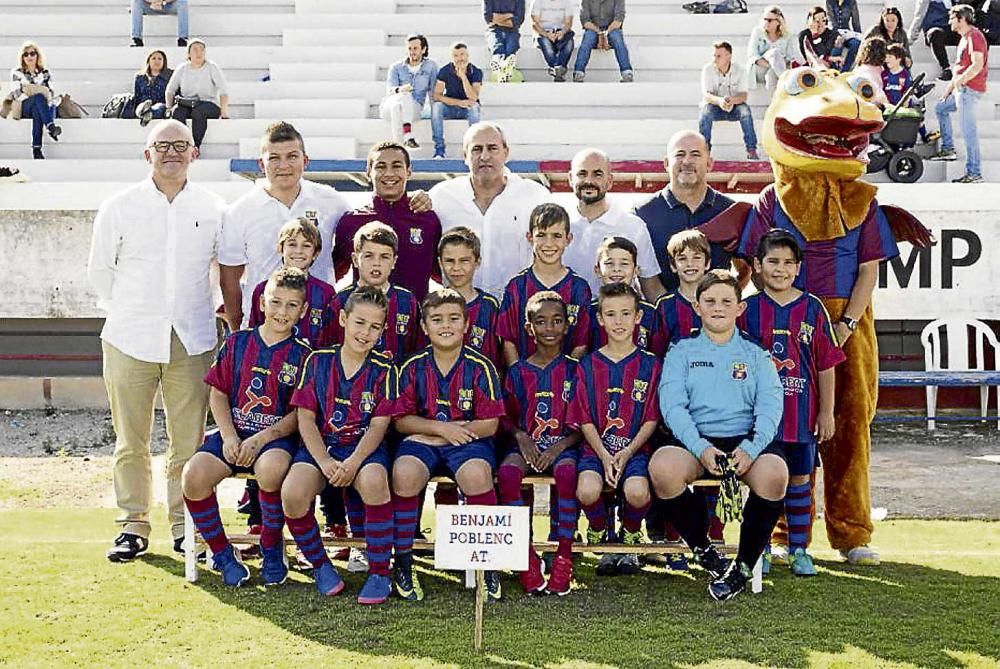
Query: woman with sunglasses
{"points": [[770, 50], [197, 91], [32, 91]]}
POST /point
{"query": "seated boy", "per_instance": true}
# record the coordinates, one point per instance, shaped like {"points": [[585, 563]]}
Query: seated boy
{"points": [[251, 383], [459, 254], [344, 403], [615, 409], [537, 391], [616, 263], [448, 410], [795, 327], [549, 235], [722, 400]]}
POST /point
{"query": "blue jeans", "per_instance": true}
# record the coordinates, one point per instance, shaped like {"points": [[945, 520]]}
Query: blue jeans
{"points": [[441, 112], [741, 112], [851, 46], [41, 114], [964, 101], [502, 41], [177, 7], [557, 53], [617, 41]]}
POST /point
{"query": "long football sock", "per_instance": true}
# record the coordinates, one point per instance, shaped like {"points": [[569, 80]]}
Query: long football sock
{"points": [[633, 516], [305, 531], [597, 514], [568, 508], [404, 513], [355, 509], [759, 517], [205, 513], [798, 505], [272, 517], [688, 515], [378, 537], [509, 479], [488, 498]]}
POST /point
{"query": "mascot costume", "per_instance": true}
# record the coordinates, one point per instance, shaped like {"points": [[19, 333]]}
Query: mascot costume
{"points": [[816, 134]]}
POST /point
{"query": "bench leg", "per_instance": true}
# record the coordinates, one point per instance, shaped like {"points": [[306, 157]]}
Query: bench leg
{"points": [[190, 551], [757, 582]]}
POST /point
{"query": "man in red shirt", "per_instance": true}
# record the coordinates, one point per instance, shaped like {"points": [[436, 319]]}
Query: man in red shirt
{"points": [[418, 233], [963, 92]]}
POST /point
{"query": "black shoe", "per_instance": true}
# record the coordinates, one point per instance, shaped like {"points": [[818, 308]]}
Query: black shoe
{"points": [[54, 132], [607, 565], [492, 579], [179, 548], [36, 152], [137, 41], [128, 547], [182, 41], [945, 74], [710, 560], [730, 584], [8, 172]]}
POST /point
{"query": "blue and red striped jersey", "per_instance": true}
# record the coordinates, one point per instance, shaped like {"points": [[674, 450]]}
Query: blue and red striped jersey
{"points": [[401, 337], [616, 397], [537, 399], [258, 379], [644, 335], [802, 343], [675, 319], [469, 391], [483, 312], [344, 406], [575, 292], [315, 325]]}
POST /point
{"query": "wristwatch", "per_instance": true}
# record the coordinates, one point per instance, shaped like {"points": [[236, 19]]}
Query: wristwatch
{"points": [[851, 323]]}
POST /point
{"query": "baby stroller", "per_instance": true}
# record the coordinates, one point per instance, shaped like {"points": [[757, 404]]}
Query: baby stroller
{"points": [[892, 148]]}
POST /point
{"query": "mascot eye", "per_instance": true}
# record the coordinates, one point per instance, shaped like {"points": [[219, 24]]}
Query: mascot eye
{"points": [[863, 87], [803, 80]]}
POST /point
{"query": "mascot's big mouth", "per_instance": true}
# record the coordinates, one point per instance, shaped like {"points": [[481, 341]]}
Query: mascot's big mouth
{"points": [[828, 137]]}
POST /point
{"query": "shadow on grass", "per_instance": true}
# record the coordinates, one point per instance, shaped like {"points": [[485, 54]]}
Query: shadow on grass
{"points": [[894, 615]]}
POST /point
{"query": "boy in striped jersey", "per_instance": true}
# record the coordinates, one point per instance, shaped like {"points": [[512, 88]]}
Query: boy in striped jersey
{"points": [[616, 263], [459, 255], [795, 327]]}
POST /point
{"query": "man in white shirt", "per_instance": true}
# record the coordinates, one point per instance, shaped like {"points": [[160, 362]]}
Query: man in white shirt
{"points": [[591, 178], [495, 203], [724, 97], [152, 250]]}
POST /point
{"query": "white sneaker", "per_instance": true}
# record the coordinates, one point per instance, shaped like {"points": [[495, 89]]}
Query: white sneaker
{"points": [[358, 562], [779, 554], [863, 556]]}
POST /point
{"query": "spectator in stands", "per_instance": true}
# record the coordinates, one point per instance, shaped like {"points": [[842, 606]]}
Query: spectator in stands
{"points": [[871, 61], [494, 203], [890, 28], [178, 8], [686, 202], [552, 21], [771, 49], [456, 94], [820, 42], [152, 251], [602, 22], [407, 85], [724, 97], [596, 219], [149, 99], [418, 233], [198, 91], [963, 92], [31, 96], [845, 19], [503, 36], [896, 79], [931, 17]]}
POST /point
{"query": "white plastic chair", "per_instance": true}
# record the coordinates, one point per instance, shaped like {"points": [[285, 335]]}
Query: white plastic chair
{"points": [[956, 346]]}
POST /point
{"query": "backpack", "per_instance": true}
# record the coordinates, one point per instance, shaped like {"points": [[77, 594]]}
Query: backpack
{"points": [[116, 106]]}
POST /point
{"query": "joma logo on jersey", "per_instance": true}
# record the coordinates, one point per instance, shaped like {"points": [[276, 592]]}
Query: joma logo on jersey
{"points": [[572, 312], [701, 363], [739, 371], [287, 374], [402, 323], [367, 402], [315, 316], [639, 389], [478, 335], [465, 399], [806, 333]]}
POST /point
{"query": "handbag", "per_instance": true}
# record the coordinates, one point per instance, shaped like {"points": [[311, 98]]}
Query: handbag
{"points": [[116, 106], [70, 108], [188, 102]]}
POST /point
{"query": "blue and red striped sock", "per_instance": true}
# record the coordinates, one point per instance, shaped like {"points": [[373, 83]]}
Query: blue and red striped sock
{"points": [[305, 531], [797, 515], [568, 509], [597, 514], [509, 479], [205, 513], [633, 517], [488, 498], [405, 515], [272, 517], [355, 512], [378, 537]]}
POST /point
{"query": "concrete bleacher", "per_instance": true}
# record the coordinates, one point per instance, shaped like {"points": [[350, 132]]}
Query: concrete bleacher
{"points": [[321, 64]]}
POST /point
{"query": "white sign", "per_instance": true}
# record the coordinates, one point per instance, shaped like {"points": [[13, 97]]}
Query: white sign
{"points": [[482, 537]]}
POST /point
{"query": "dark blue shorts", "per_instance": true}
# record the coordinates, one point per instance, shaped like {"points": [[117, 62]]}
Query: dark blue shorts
{"points": [[729, 444], [637, 465], [446, 460], [341, 453], [800, 457], [213, 446]]}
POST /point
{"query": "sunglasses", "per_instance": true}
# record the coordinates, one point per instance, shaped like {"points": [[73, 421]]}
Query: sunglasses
{"points": [[26, 54], [769, 19], [180, 146]]}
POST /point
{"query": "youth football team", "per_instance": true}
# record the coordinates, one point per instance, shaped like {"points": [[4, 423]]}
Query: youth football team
{"points": [[623, 403]]}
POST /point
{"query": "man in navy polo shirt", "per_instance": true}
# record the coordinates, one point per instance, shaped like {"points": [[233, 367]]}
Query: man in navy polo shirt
{"points": [[456, 94], [686, 202]]}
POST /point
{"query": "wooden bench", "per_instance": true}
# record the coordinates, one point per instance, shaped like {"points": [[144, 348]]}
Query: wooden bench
{"points": [[943, 378]]}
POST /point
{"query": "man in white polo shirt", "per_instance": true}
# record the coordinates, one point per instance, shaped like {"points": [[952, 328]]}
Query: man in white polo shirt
{"points": [[595, 219], [152, 249], [495, 203]]}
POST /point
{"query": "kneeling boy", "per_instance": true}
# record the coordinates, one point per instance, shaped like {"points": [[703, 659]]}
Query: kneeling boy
{"points": [[252, 382]]}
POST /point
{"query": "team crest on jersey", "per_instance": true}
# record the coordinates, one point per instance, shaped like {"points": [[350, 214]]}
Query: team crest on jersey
{"points": [[312, 215], [567, 390], [806, 333], [739, 371], [639, 389], [477, 336], [416, 236], [643, 339], [288, 374], [315, 316], [465, 399], [402, 323], [572, 313], [367, 402]]}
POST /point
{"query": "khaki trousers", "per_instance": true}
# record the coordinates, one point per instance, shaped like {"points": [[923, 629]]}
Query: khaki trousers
{"points": [[132, 386]]}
